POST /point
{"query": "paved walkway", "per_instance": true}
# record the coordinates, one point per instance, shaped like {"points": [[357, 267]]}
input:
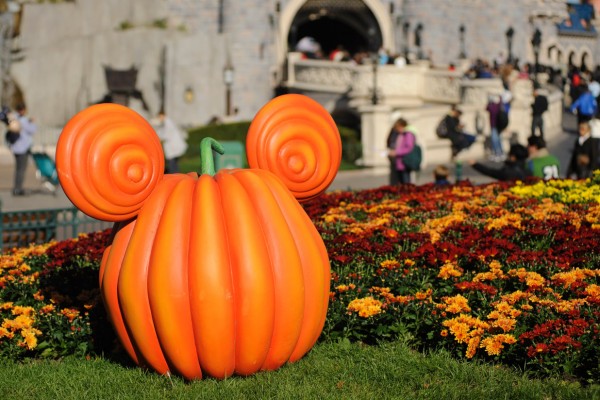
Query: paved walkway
{"points": [[40, 198]]}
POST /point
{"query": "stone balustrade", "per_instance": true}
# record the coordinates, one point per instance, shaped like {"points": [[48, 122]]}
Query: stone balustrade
{"points": [[423, 96]]}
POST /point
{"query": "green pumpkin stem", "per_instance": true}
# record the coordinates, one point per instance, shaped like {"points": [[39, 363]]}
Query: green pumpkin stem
{"points": [[207, 145]]}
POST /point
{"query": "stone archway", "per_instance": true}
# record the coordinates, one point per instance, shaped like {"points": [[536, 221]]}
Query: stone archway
{"points": [[298, 10]]}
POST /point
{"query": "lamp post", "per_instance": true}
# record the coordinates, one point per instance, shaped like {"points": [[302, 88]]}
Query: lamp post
{"points": [[461, 32], [405, 29], [536, 42], [510, 32], [418, 31], [374, 96], [228, 80]]}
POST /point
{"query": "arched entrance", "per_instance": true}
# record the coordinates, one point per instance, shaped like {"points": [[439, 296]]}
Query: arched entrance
{"points": [[364, 24], [333, 23], [585, 56]]}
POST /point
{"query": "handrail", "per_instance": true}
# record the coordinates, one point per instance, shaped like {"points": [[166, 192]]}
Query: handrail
{"points": [[21, 228]]}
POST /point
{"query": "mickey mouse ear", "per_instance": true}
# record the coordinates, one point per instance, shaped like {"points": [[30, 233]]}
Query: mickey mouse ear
{"points": [[109, 160], [295, 138]]}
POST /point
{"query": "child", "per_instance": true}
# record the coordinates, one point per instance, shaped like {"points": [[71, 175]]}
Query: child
{"points": [[440, 175]]}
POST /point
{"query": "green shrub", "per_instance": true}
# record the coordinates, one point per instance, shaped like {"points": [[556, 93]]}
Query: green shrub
{"points": [[351, 146], [224, 132]]}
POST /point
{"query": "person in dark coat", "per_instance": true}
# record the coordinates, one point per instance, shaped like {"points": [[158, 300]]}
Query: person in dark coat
{"points": [[538, 108], [512, 169], [584, 159], [398, 127], [455, 132]]}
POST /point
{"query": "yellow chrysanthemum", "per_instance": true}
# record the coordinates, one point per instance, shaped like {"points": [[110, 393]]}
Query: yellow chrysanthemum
{"points": [[365, 307], [29, 337], [593, 291], [20, 322], [345, 288], [436, 226], [575, 275], [472, 346], [70, 313], [20, 310], [5, 333], [389, 264], [493, 345], [449, 270], [457, 304]]}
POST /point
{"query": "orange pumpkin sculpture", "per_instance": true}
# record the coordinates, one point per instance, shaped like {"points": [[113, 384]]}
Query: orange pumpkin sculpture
{"points": [[216, 274]]}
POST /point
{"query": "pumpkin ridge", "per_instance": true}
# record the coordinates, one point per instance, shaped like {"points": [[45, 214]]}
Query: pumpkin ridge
{"points": [[133, 280], [211, 287], [113, 258], [315, 267], [253, 283], [168, 282], [286, 269]]}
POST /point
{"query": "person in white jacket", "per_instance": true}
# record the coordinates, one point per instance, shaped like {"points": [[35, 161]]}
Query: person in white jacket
{"points": [[174, 142]]}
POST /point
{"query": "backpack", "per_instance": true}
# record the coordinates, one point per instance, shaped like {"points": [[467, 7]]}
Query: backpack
{"points": [[413, 159], [11, 137], [501, 120], [442, 129], [13, 131]]}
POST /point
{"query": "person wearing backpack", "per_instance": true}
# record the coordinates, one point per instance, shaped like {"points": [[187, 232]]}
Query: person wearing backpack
{"points": [[21, 148], [494, 109], [405, 143], [538, 108], [451, 128], [585, 106]]}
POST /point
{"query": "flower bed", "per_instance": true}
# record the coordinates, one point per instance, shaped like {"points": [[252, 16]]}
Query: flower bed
{"points": [[499, 272]]}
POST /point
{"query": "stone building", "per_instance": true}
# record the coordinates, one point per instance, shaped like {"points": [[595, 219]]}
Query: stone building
{"points": [[200, 59]]}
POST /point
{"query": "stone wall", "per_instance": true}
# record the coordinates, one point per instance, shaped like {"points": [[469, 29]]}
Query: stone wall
{"points": [[66, 45]]}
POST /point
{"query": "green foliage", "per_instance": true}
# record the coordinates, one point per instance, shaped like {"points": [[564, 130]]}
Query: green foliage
{"points": [[50, 304], [221, 132], [160, 23], [339, 370], [125, 25], [351, 146]]}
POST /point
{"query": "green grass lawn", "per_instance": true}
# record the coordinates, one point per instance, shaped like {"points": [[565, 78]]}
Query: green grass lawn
{"points": [[329, 371]]}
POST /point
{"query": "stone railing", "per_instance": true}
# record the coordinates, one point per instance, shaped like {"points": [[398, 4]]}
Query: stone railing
{"points": [[409, 86], [319, 75]]}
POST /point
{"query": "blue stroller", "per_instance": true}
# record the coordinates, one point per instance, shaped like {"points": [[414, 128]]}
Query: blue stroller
{"points": [[46, 171]]}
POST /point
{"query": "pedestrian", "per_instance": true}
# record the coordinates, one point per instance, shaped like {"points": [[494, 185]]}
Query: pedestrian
{"points": [[451, 128], [585, 106], [21, 148], [405, 142], [538, 108], [494, 108], [512, 169], [391, 146], [541, 163], [440, 175], [174, 142], [584, 158]]}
